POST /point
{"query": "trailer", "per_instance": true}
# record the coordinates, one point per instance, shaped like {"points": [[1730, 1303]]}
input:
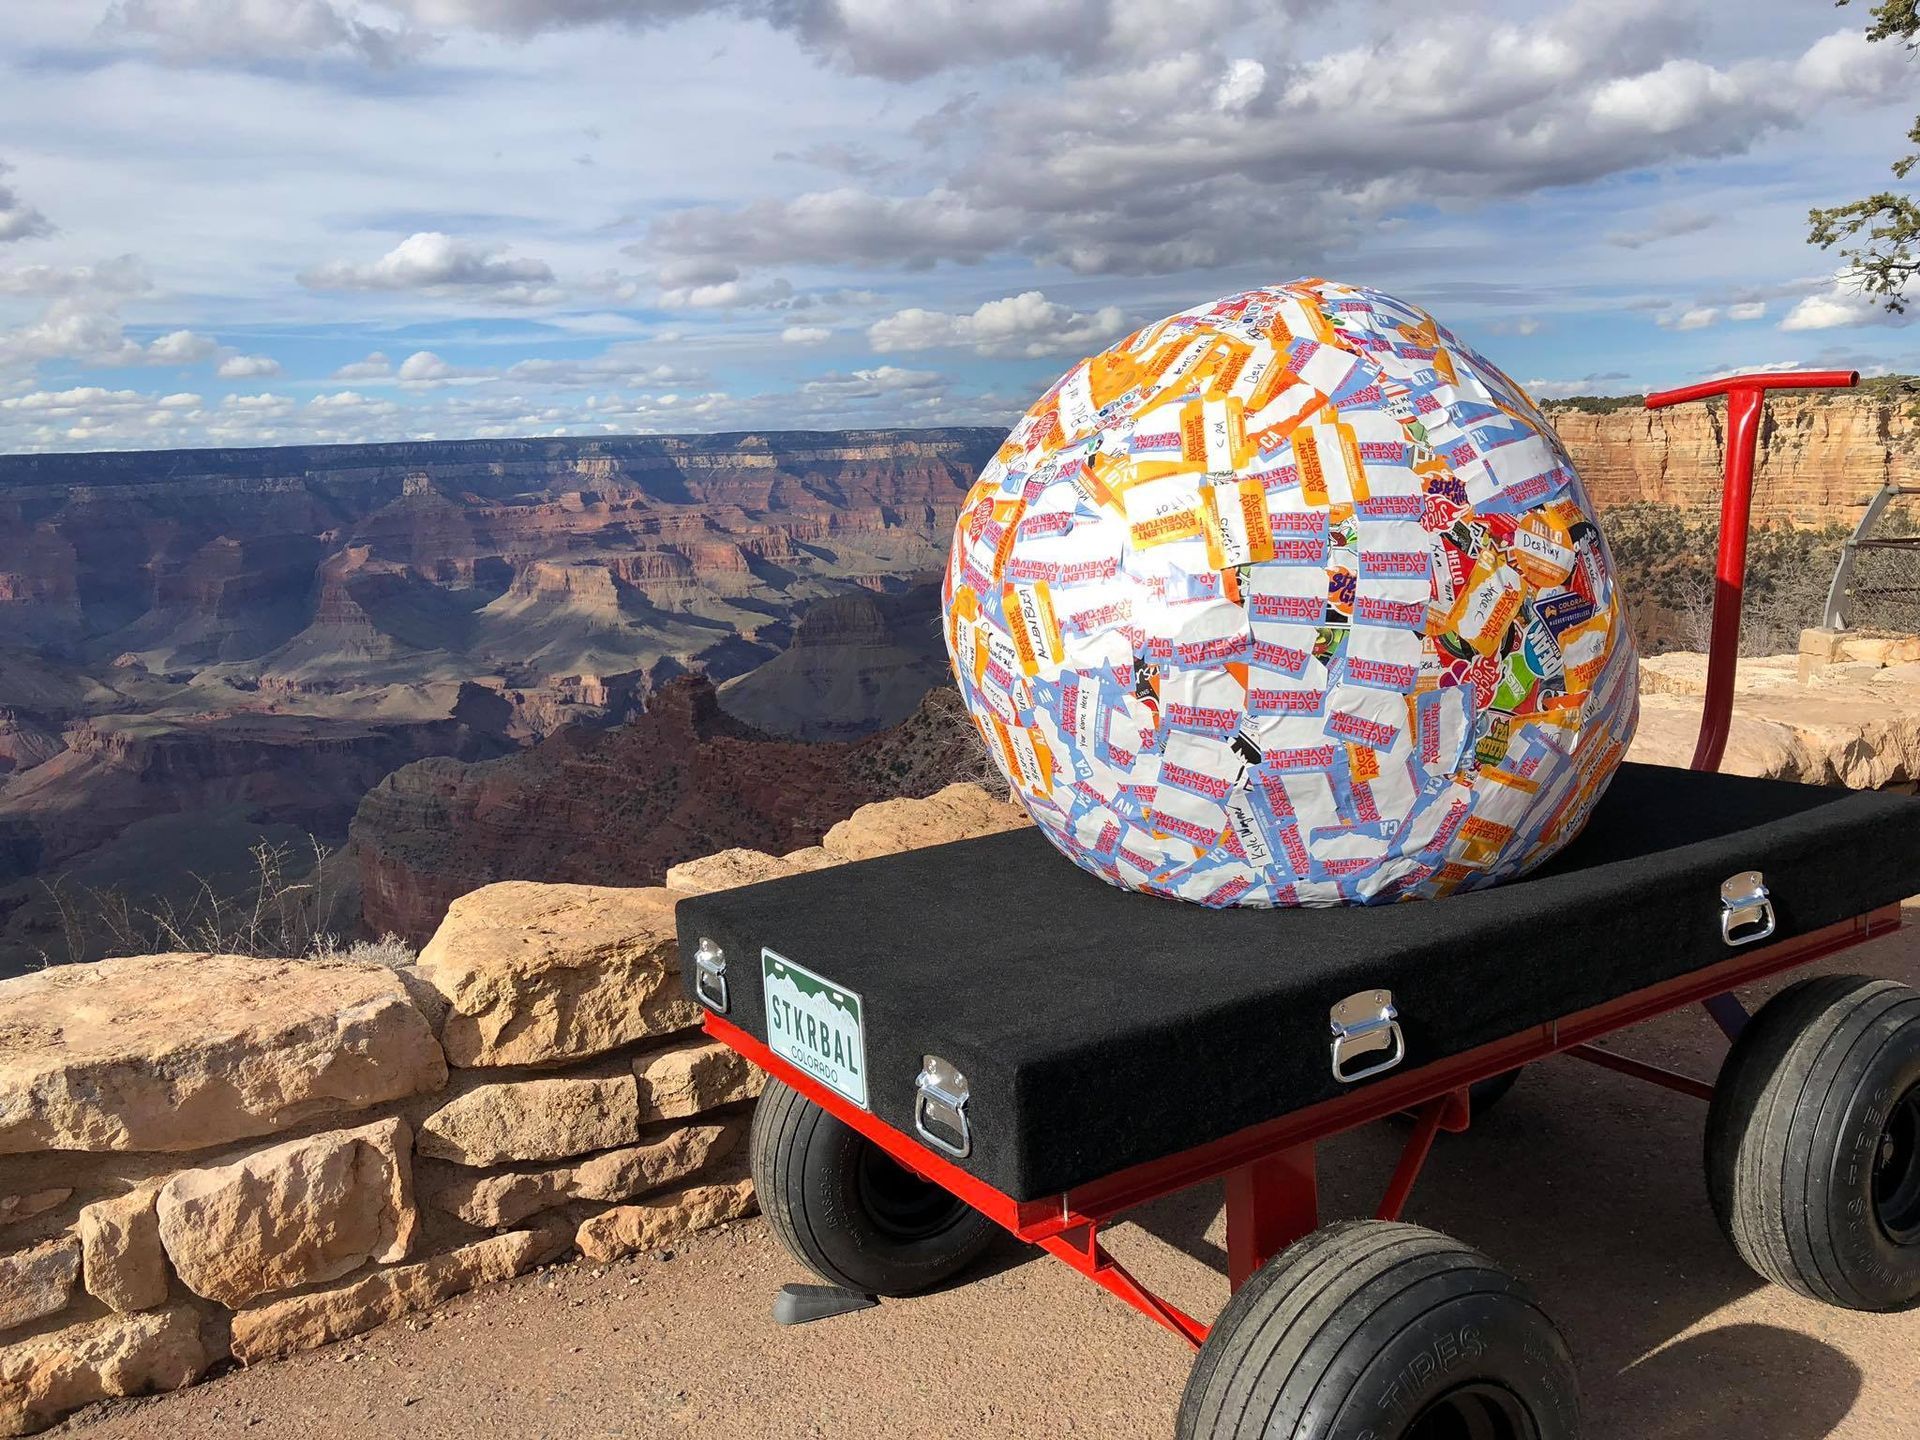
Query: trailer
{"points": [[979, 1037]]}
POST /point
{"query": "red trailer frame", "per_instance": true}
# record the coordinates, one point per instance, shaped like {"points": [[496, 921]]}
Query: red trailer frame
{"points": [[1272, 1191]]}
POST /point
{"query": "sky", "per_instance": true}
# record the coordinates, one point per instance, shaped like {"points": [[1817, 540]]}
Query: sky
{"points": [[242, 222]]}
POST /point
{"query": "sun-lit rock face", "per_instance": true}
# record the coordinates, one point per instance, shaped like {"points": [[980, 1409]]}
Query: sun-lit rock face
{"points": [[1292, 599]]}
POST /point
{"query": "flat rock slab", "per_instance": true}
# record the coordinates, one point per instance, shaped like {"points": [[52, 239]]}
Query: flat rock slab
{"points": [[542, 974], [181, 1052], [689, 1079], [496, 1200], [38, 1281], [304, 1211], [285, 1327], [626, 1229], [43, 1378], [549, 1118]]}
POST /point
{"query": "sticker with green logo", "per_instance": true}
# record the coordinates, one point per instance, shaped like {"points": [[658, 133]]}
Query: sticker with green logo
{"points": [[816, 1024]]}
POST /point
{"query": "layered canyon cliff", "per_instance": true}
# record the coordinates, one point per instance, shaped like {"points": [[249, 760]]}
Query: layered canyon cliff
{"points": [[263, 634], [257, 637]]}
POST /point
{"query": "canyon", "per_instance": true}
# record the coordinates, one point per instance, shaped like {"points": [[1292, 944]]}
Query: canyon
{"points": [[256, 637], [202, 648]]}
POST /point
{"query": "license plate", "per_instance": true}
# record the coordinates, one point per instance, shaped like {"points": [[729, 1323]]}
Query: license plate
{"points": [[816, 1024]]}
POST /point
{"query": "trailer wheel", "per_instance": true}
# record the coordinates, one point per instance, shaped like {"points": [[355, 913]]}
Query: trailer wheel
{"points": [[846, 1210], [1378, 1329], [1813, 1142]]}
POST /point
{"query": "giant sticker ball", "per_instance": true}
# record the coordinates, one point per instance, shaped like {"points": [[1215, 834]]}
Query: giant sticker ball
{"points": [[1292, 599]]}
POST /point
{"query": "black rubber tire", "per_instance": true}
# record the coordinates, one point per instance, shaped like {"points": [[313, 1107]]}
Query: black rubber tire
{"points": [[1482, 1096], [1378, 1329], [1485, 1094], [847, 1211], [1813, 1142]]}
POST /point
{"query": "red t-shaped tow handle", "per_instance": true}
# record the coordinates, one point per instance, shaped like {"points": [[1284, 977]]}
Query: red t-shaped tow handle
{"points": [[1746, 395]]}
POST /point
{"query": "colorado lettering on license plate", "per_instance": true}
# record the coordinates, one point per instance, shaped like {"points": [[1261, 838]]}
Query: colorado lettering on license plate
{"points": [[816, 1024]]}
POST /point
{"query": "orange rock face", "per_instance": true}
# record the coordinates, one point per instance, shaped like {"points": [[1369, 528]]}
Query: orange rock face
{"points": [[1820, 455]]}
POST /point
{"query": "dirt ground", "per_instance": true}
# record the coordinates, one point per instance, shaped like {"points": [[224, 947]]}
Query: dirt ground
{"points": [[1585, 1183]]}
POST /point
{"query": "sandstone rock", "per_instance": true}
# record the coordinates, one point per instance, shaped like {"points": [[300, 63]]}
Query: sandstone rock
{"points": [[122, 1259], [688, 1079], [1850, 724], [546, 1119], [31, 1203], [179, 1052], [496, 1200], [38, 1281], [958, 812], [812, 857], [299, 1212], [43, 1378], [301, 1322], [539, 974], [630, 1228], [727, 871]]}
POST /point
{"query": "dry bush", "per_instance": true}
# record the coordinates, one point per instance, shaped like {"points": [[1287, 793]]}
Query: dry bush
{"points": [[286, 908]]}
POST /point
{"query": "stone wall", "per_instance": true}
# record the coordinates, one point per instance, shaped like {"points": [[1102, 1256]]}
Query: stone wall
{"points": [[208, 1159]]}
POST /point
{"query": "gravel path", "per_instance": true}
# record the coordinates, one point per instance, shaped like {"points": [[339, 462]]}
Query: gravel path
{"points": [[1584, 1182]]}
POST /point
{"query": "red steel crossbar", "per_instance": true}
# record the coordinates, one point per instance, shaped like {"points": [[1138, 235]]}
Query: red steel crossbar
{"points": [[1746, 397]]}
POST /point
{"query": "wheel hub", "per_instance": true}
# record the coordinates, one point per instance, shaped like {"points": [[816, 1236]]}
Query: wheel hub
{"points": [[1480, 1411], [1896, 1172], [899, 1202]]}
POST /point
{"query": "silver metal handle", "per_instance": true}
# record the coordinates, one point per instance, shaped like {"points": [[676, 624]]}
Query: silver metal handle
{"points": [[1746, 908], [1363, 1025], [710, 975], [941, 1094]]}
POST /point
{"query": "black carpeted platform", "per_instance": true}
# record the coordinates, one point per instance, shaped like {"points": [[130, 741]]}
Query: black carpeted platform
{"points": [[1099, 1029]]}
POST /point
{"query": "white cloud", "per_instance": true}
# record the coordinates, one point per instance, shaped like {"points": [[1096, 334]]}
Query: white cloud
{"points": [[123, 275], [1612, 382], [1836, 309], [251, 30], [835, 227], [424, 369], [726, 295], [1158, 166], [1847, 64], [19, 220], [1027, 324], [881, 380], [90, 332], [893, 41], [805, 334], [633, 364], [1667, 225], [1751, 310], [1699, 317], [436, 263], [1243, 84], [375, 367], [181, 347], [248, 367]]}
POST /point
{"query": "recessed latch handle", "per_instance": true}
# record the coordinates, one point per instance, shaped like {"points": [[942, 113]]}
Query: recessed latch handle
{"points": [[1366, 1036], [940, 1095], [1746, 908], [710, 975]]}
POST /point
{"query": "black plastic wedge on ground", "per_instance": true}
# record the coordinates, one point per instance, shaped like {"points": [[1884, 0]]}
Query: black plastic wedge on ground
{"points": [[804, 1304]]}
